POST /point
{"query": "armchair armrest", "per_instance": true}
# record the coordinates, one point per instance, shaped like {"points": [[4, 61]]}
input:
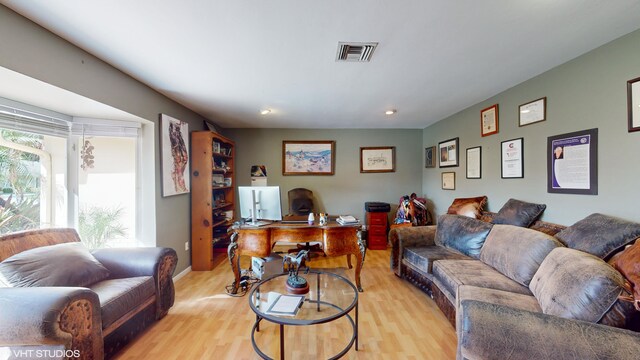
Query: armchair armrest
{"points": [[490, 331], [153, 261], [52, 316], [403, 237]]}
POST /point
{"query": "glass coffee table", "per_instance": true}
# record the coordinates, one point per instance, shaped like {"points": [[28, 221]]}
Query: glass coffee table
{"points": [[330, 297]]}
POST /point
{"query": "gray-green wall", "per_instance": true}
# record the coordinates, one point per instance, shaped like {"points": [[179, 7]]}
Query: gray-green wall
{"points": [[347, 190], [33, 51], [587, 92]]}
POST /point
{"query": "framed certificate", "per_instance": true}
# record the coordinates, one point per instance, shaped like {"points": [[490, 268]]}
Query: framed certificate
{"points": [[532, 112], [633, 104], [474, 163], [572, 163], [448, 180], [512, 156], [489, 120]]}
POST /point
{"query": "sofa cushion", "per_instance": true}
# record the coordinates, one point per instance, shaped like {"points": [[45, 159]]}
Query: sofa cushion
{"points": [[576, 285], [517, 252], [119, 296], [600, 235], [470, 207], [69, 264], [519, 213], [453, 273], [422, 257], [462, 234], [498, 297]]}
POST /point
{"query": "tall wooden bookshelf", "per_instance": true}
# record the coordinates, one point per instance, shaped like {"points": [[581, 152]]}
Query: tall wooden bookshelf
{"points": [[212, 196]]}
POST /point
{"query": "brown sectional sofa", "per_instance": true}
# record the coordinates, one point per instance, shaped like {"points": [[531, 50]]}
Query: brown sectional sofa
{"points": [[93, 317], [516, 292]]}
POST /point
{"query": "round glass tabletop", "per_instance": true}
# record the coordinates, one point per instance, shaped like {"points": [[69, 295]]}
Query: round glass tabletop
{"points": [[330, 296]]}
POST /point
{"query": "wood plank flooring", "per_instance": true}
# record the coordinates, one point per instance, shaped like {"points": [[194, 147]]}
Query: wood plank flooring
{"points": [[397, 321]]}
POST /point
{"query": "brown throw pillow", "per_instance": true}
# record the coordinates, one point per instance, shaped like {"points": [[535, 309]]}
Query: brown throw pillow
{"points": [[628, 263], [519, 213], [69, 264], [471, 207]]}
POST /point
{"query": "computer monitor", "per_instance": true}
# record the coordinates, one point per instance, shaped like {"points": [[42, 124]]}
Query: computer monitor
{"points": [[260, 203]]}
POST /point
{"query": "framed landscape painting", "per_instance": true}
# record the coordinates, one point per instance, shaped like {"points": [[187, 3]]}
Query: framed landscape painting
{"points": [[308, 157], [174, 144]]}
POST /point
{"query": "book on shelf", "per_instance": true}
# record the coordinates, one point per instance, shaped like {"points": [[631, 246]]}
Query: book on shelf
{"points": [[346, 220]]}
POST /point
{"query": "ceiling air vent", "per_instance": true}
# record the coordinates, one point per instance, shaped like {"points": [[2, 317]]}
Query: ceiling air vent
{"points": [[355, 51]]}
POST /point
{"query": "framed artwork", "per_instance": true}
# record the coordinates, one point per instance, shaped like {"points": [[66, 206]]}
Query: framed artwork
{"points": [[430, 157], [474, 162], [532, 112], [308, 157], [512, 158], [377, 159], [572, 163], [448, 180], [633, 104], [448, 153], [489, 120], [174, 145]]}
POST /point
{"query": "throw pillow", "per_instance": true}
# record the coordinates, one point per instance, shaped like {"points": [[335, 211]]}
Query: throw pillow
{"points": [[471, 207], [600, 235], [463, 234], [628, 263], [69, 264], [576, 285], [519, 213]]}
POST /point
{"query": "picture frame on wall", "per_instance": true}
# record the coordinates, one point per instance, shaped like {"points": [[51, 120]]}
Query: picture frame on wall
{"points": [[449, 180], [489, 120], [532, 112], [572, 163], [430, 157], [448, 153], [633, 104], [378, 159], [512, 158], [474, 162], [174, 145], [316, 157]]}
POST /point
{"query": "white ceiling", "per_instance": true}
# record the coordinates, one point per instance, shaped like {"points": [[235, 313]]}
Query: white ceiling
{"points": [[227, 60]]}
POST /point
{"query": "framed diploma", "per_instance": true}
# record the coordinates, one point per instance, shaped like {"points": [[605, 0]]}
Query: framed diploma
{"points": [[572, 163], [532, 112], [474, 163], [448, 153], [489, 120], [512, 158], [448, 180], [633, 104]]}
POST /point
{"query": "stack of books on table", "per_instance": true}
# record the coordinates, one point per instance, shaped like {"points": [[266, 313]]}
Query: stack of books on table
{"points": [[346, 220]]}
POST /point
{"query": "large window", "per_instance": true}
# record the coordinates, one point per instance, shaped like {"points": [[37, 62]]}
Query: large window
{"points": [[87, 177]]}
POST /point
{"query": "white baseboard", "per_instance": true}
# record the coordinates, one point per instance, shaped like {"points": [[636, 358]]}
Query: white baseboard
{"points": [[182, 274]]}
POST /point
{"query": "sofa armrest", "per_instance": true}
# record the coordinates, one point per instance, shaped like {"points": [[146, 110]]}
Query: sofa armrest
{"points": [[52, 316], [490, 331], [404, 237], [157, 262]]}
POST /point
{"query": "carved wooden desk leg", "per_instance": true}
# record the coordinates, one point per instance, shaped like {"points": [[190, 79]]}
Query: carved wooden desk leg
{"points": [[349, 261], [360, 259], [234, 259]]}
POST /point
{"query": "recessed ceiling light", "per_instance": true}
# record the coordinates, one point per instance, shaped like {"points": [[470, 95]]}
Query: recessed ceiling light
{"points": [[265, 111], [391, 112]]}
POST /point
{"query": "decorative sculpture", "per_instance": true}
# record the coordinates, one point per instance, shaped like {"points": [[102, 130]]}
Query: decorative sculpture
{"points": [[296, 284]]}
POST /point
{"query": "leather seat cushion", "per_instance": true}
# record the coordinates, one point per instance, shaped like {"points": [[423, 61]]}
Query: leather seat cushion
{"points": [[498, 297], [422, 257], [453, 273], [119, 296]]}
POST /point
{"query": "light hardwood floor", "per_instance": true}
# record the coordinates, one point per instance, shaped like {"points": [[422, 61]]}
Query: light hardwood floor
{"points": [[397, 321]]}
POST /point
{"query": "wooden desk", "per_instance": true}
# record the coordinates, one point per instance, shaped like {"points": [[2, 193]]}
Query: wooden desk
{"points": [[337, 240]]}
